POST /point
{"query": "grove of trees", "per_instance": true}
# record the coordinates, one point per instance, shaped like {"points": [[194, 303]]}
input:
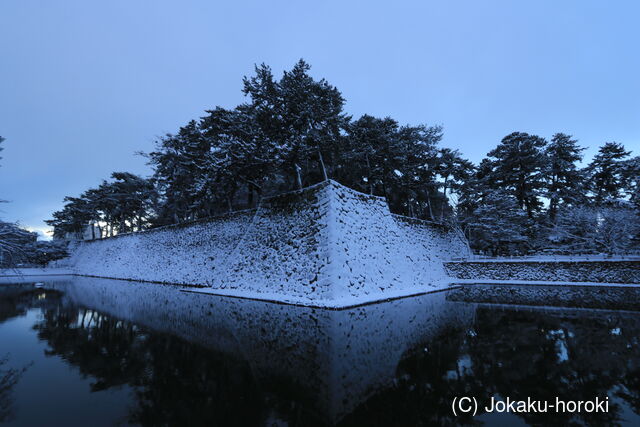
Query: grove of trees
{"points": [[528, 195]]}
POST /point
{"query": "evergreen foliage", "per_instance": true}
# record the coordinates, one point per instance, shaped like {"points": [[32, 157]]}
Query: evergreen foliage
{"points": [[528, 195]]}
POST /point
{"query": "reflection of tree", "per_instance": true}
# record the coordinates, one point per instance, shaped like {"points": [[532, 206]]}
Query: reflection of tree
{"points": [[9, 310], [426, 381], [515, 353], [15, 300], [8, 379], [519, 353], [176, 382], [630, 390], [523, 354], [185, 384]]}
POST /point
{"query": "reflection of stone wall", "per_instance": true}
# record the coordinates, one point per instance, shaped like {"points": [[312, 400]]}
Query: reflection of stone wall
{"points": [[325, 245], [335, 359], [556, 271], [601, 297]]}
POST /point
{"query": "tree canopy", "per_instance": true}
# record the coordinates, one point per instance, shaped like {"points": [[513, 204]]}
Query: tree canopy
{"points": [[293, 131]]}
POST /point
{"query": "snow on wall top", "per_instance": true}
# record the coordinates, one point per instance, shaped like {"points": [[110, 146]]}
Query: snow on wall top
{"points": [[324, 245]]}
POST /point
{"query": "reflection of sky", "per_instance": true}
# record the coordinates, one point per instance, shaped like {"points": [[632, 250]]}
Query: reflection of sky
{"points": [[84, 85], [52, 392]]}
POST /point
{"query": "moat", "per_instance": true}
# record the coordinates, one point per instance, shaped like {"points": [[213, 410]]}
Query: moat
{"points": [[86, 351]]}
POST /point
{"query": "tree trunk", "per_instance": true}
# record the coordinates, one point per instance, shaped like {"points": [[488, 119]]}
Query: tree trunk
{"points": [[445, 201], [298, 178], [324, 170], [429, 205], [249, 196], [369, 175]]}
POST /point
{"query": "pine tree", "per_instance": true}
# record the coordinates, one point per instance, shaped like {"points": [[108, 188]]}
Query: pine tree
{"points": [[397, 162], [368, 143], [454, 171], [303, 116], [631, 178], [179, 161], [519, 168], [497, 224], [606, 173], [563, 179]]}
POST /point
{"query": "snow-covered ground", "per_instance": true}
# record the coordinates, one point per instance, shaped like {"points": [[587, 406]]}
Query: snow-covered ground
{"points": [[325, 245]]}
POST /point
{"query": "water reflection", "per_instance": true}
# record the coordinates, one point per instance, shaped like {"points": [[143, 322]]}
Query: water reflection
{"points": [[202, 360], [9, 377]]}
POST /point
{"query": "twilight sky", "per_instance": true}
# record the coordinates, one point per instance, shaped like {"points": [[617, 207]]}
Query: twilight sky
{"points": [[85, 85]]}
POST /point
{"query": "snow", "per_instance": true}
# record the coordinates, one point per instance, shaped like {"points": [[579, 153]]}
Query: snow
{"points": [[326, 245], [28, 272]]}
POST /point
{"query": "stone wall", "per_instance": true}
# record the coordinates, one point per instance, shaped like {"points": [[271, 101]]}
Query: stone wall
{"points": [[325, 245], [554, 271]]}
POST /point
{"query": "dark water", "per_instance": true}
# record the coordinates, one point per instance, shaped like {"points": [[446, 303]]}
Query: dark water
{"points": [[86, 351]]}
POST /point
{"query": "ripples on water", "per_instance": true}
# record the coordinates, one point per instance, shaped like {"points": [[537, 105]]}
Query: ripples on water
{"points": [[80, 351]]}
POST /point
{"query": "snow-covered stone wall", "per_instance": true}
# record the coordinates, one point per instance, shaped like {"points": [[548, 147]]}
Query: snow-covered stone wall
{"points": [[553, 271], [184, 254], [325, 245], [451, 243]]}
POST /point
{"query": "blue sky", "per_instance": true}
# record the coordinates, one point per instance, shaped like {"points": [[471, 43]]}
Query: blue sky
{"points": [[85, 85]]}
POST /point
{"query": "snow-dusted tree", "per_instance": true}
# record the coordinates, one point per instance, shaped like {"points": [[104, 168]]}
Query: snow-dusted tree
{"points": [[43, 252], [596, 229], [398, 162], [125, 204], [302, 116], [618, 227], [496, 225], [454, 171], [130, 198], [368, 143], [606, 173], [564, 183], [241, 157], [72, 219], [469, 196], [179, 161], [12, 242], [518, 166], [631, 177]]}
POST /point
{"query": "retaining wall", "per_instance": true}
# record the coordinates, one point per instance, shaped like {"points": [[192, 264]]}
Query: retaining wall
{"points": [[554, 271], [325, 245]]}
